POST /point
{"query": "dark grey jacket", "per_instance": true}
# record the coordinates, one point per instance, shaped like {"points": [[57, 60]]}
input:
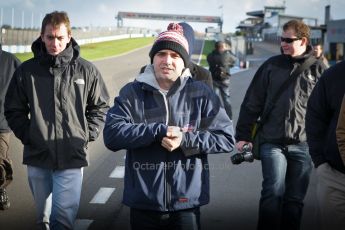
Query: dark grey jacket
{"points": [[285, 123], [55, 106], [156, 179], [8, 64]]}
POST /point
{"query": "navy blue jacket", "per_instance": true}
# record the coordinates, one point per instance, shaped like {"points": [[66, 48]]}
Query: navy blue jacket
{"points": [[322, 117], [156, 179]]}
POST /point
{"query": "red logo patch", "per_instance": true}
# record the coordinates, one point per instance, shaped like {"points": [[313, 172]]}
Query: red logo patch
{"points": [[183, 200]]}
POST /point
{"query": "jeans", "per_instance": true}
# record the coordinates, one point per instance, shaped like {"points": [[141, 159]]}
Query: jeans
{"points": [[223, 92], [188, 219], [57, 195], [286, 172]]}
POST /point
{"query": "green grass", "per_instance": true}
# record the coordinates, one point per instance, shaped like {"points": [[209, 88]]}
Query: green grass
{"points": [[208, 48], [107, 49], [111, 48], [103, 49], [24, 56]]}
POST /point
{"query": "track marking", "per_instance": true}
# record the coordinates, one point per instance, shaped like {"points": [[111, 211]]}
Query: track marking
{"points": [[102, 196], [118, 172]]}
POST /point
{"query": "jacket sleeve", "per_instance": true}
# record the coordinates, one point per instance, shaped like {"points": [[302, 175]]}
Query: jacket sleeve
{"points": [[97, 105], [215, 134], [17, 108], [252, 105], [340, 132], [121, 132], [317, 122]]}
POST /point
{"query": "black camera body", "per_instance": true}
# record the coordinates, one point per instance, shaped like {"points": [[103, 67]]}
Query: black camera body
{"points": [[246, 155]]}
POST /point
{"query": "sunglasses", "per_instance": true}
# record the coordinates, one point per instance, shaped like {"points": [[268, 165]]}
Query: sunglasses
{"points": [[289, 40]]}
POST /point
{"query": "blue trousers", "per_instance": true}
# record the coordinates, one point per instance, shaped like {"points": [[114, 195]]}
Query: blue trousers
{"points": [[286, 172], [57, 195]]}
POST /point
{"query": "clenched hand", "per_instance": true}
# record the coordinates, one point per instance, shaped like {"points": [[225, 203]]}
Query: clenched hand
{"points": [[173, 138]]}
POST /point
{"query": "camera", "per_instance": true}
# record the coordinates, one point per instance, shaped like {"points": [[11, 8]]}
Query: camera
{"points": [[246, 155]]}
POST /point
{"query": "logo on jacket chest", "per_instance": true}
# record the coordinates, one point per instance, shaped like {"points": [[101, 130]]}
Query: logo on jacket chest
{"points": [[80, 81]]}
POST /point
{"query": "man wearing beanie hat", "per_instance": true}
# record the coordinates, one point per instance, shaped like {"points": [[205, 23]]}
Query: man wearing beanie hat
{"points": [[198, 72], [168, 123], [172, 39]]}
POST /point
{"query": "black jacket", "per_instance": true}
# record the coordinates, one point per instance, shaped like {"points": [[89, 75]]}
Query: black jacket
{"points": [[220, 64], [55, 106], [285, 123], [322, 117], [8, 64]]}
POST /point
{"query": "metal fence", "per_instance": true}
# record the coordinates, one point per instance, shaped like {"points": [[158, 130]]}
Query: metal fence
{"points": [[23, 37]]}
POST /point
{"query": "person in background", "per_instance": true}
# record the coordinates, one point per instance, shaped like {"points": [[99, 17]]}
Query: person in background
{"points": [[168, 123], [318, 53], [8, 64], [286, 163], [323, 111], [56, 105], [198, 72], [220, 61]]}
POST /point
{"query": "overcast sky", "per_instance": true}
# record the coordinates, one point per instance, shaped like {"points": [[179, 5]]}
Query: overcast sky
{"points": [[102, 12]]}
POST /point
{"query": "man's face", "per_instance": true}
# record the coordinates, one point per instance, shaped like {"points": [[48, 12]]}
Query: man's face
{"points": [[55, 39], [168, 65], [317, 51], [291, 44], [221, 47]]}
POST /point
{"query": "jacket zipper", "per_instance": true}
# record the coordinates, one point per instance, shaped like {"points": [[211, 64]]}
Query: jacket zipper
{"points": [[167, 189]]}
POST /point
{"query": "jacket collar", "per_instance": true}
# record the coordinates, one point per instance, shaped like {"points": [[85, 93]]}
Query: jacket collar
{"points": [[148, 77], [71, 52], [300, 58]]}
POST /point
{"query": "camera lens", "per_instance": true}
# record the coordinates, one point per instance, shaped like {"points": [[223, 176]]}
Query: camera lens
{"points": [[237, 158]]}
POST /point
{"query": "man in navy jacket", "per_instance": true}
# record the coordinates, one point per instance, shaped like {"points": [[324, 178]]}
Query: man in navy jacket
{"points": [[168, 123], [321, 121]]}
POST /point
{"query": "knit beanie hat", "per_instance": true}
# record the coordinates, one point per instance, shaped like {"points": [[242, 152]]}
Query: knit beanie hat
{"points": [[172, 39]]}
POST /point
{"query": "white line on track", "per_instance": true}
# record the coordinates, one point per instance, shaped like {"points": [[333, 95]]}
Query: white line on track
{"points": [[102, 196], [118, 172]]}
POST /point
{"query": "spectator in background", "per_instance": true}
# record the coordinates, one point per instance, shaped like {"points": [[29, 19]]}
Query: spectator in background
{"points": [[220, 61], [318, 53], [323, 110], [8, 64], [56, 105], [198, 72], [168, 123], [286, 163]]}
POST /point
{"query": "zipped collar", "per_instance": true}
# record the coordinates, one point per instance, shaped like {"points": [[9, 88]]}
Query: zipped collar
{"points": [[71, 53], [148, 77]]}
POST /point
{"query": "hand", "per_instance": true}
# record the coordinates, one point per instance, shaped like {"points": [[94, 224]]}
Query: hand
{"points": [[173, 138], [239, 145]]}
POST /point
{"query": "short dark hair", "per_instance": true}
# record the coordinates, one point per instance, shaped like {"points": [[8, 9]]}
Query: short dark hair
{"points": [[218, 44], [55, 19], [301, 29], [317, 44]]}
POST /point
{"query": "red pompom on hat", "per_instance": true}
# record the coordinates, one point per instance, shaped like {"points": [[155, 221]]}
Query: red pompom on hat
{"points": [[172, 39]]}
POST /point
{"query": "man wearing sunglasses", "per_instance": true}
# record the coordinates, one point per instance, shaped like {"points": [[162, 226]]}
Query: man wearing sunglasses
{"points": [[285, 159]]}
